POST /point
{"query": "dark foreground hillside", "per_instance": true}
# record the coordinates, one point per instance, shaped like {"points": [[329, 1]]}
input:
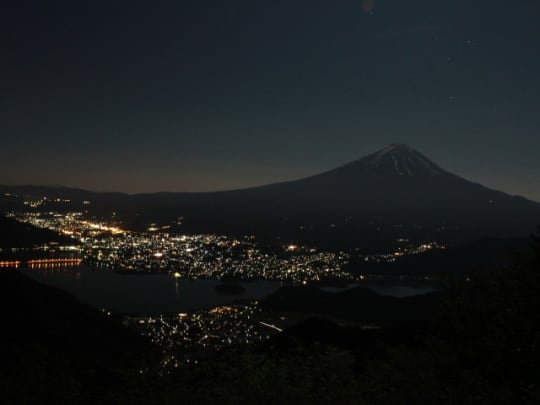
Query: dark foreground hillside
{"points": [[59, 348]]}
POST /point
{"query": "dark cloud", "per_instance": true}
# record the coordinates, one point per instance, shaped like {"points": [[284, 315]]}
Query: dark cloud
{"points": [[368, 5]]}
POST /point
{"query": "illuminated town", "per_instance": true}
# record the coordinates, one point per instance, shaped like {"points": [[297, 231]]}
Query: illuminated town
{"points": [[187, 337], [106, 245]]}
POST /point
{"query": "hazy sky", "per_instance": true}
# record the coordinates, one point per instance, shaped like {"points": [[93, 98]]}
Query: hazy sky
{"points": [[203, 95]]}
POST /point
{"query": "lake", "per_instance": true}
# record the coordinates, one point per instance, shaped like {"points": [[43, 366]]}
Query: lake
{"points": [[162, 293], [144, 293]]}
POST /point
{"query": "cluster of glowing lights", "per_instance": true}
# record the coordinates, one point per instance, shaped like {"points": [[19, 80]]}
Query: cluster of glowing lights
{"points": [[53, 263], [10, 264], [42, 263], [112, 229], [222, 310], [61, 260]]}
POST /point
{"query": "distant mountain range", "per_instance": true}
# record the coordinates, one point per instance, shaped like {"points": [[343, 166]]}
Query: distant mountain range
{"points": [[394, 193]]}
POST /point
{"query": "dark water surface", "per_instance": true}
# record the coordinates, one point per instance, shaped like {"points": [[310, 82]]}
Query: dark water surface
{"points": [[393, 290], [161, 293], [144, 293]]}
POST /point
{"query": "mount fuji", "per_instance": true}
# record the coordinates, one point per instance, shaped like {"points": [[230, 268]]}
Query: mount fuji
{"points": [[395, 192]]}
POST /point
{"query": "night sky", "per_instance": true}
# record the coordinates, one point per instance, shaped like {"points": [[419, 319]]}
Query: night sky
{"points": [[210, 94]]}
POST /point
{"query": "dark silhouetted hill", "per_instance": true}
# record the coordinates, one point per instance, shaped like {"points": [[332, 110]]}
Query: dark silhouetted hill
{"points": [[466, 258], [50, 341], [17, 234], [358, 304]]}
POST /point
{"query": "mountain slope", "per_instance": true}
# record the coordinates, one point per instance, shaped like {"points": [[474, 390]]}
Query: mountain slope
{"points": [[395, 192]]}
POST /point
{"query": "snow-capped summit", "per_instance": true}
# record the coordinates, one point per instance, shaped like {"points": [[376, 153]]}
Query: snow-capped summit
{"points": [[400, 160]]}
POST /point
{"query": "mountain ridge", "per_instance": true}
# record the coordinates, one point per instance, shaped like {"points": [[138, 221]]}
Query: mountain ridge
{"points": [[387, 151]]}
